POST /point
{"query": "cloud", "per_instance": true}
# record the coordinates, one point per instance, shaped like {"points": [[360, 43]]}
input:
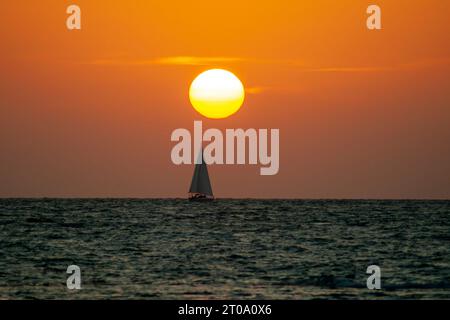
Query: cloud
{"points": [[349, 69], [297, 65], [170, 60], [194, 61], [255, 90], [214, 61], [438, 62], [300, 64]]}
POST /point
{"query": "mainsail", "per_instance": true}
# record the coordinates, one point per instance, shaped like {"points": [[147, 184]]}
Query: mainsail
{"points": [[200, 181]]}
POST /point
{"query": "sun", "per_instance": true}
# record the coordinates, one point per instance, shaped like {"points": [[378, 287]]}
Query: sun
{"points": [[216, 93]]}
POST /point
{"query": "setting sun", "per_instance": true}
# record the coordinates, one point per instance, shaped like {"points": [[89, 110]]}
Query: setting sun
{"points": [[216, 93]]}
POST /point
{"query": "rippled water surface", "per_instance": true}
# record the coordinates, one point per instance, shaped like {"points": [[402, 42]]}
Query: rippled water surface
{"points": [[240, 249]]}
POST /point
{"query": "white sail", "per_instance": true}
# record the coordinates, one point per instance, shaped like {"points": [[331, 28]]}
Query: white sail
{"points": [[200, 181]]}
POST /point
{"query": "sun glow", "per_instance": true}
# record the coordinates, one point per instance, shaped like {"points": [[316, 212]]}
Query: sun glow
{"points": [[216, 94]]}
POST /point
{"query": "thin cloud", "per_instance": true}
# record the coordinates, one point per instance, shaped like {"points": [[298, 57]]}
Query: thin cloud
{"points": [[349, 69], [255, 90], [173, 60], [427, 63], [194, 61], [209, 61], [297, 65]]}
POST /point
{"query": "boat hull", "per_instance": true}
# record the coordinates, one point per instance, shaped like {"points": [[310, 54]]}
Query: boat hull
{"points": [[197, 199]]}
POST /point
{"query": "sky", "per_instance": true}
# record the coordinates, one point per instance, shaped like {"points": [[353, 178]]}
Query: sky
{"points": [[361, 113]]}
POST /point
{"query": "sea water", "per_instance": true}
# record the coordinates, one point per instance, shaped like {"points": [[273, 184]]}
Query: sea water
{"points": [[225, 249]]}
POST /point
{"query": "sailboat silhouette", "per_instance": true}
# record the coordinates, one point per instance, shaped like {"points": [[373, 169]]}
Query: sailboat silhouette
{"points": [[200, 189]]}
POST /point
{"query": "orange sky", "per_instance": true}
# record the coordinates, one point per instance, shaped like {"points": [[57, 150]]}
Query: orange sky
{"points": [[362, 114]]}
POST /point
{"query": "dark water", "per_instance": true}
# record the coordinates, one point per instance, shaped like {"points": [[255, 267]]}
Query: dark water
{"points": [[242, 249]]}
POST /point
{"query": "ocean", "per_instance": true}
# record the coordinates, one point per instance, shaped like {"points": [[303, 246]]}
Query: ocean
{"points": [[226, 249]]}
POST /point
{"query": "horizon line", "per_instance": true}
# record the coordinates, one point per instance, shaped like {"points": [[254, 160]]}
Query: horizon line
{"points": [[224, 198]]}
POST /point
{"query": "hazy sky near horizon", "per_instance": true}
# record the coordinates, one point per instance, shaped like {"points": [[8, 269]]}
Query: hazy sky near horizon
{"points": [[362, 114]]}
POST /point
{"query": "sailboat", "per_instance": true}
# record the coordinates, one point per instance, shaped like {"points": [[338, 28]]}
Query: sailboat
{"points": [[200, 189]]}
